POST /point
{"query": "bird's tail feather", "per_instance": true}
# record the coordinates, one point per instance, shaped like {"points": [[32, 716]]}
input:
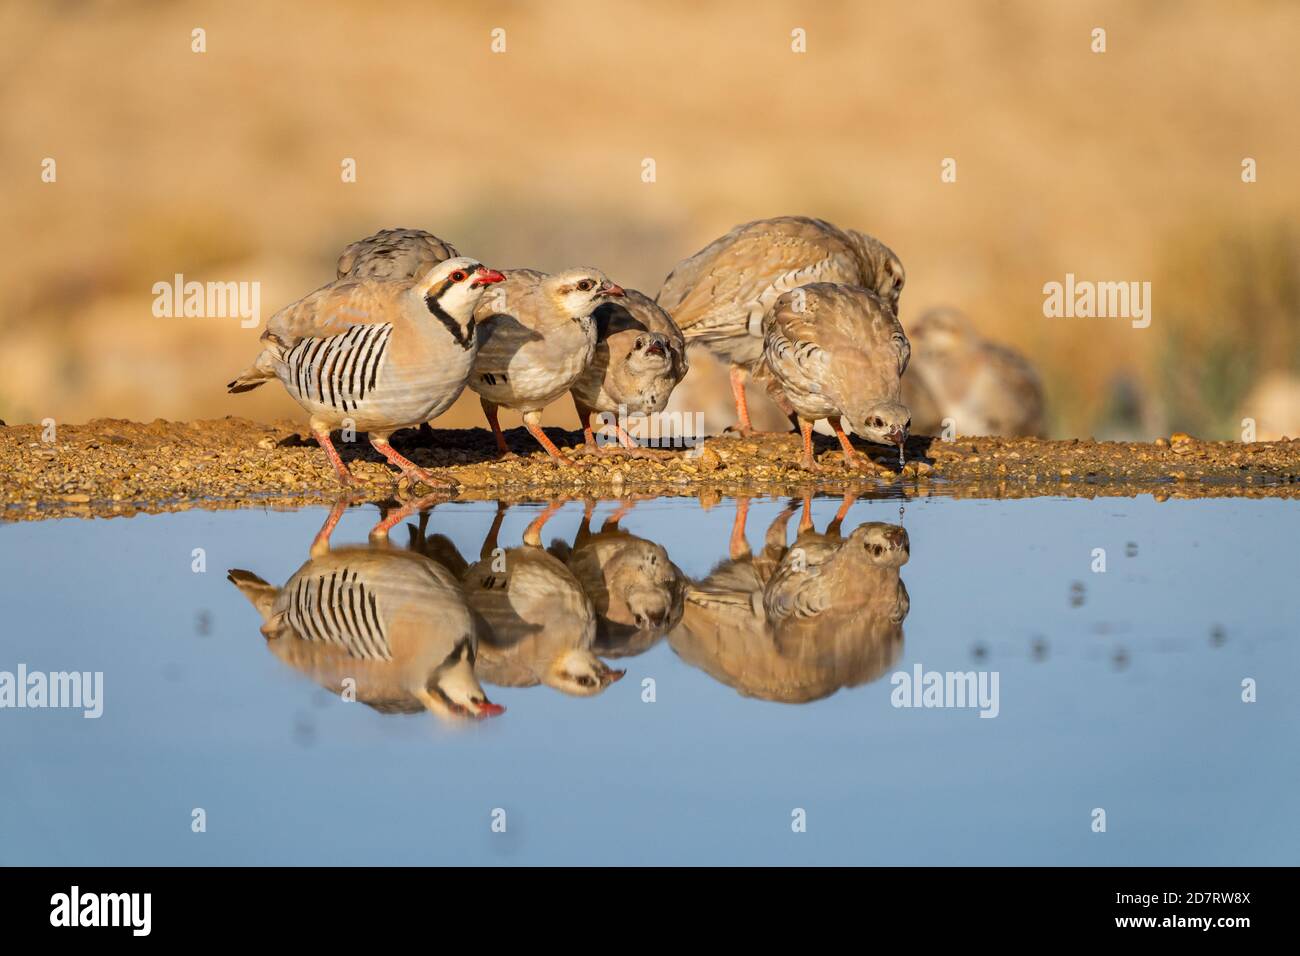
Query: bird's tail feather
{"points": [[260, 594], [261, 371]]}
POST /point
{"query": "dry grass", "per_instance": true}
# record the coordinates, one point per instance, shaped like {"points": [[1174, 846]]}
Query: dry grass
{"points": [[225, 165]]}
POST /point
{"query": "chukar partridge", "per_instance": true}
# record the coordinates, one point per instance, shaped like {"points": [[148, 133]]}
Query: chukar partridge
{"points": [[985, 388], [639, 358], [836, 607], [635, 590], [536, 336], [394, 254], [1274, 405], [838, 352], [537, 626], [718, 296], [831, 614], [376, 354], [394, 623], [723, 620]]}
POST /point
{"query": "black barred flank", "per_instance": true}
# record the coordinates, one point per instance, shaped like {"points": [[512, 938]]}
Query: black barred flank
{"points": [[338, 370], [339, 611]]}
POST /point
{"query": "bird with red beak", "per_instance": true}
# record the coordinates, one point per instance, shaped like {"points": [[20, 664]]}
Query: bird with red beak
{"points": [[376, 354], [392, 628]]}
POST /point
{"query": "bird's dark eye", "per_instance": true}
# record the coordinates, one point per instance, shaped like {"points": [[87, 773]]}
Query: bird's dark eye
{"points": [[585, 285], [458, 276], [640, 344], [876, 423], [586, 681]]}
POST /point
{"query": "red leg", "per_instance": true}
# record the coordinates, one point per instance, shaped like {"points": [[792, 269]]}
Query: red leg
{"points": [[611, 523], [845, 504], [409, 468], [739, 544], [850, 455], [323, 438], [742, 403], [584, 416], [320, 545], [630, 446], [627, 444], [490, 411], [534, 429], [490, 542], [805, 519], [807, 463], [624, 438], [395, 517], [533, 533]]}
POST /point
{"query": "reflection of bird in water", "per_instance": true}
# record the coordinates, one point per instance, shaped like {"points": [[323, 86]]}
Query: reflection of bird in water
{"points": [[796, 624], [537, 626], [985, 388], [719, 295], [726, 608], [635, 589], [393, 622], [640, 357], [839, 598]]}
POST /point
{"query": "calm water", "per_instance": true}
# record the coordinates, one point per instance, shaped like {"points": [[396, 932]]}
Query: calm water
{"points": [[771, 688]]}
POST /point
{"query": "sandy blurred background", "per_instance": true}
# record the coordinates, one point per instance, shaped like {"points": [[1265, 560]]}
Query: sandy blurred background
{"points": [[225, 166]]}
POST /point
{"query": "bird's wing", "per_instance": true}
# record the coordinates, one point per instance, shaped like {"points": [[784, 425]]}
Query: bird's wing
{"points": [[488, 591], [338, 607], [507, 317], [724, 289], [393, 254], [335, 309], [882, 270], [635, 311], [836, 340], [798, 587]]}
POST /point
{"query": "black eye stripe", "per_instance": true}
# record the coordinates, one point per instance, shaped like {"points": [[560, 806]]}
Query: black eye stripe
{"points": [[466, 271]]}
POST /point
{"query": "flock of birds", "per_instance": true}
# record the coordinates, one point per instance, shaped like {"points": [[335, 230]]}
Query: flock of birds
{"points": [[804, 308], [421, 628]]}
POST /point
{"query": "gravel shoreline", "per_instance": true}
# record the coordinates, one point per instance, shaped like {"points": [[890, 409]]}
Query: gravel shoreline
{"points": [[111, 467]]}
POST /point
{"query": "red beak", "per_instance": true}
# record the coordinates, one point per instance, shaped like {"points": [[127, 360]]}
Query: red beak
{"points": [[612, 289], [486, 276], [489, 709]]}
